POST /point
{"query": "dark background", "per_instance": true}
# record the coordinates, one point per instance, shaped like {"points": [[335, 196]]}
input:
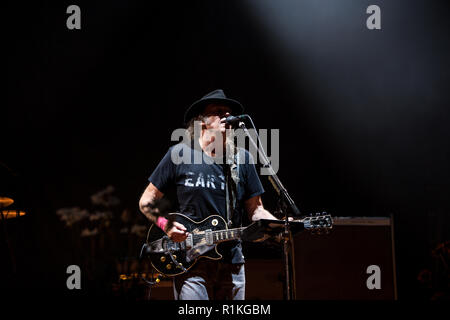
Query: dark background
{"points": [[363, 114]]}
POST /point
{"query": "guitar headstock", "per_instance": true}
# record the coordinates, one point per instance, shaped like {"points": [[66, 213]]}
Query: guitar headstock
{"points": [[318, 223]]}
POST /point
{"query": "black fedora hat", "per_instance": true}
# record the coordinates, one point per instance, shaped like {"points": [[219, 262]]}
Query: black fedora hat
{"points": [[214, 97]]}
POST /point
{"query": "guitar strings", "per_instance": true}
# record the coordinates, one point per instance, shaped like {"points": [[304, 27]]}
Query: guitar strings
{"points": [[226, 233]]}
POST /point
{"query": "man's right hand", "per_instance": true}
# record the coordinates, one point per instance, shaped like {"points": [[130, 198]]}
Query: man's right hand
{"points": [[176, 231]]}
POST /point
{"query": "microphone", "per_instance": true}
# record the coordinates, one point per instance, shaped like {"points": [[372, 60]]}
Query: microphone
{"points": [[235, 119]]}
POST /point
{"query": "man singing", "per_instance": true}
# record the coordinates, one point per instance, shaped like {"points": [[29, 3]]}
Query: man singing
{"points": [[218, 184]]}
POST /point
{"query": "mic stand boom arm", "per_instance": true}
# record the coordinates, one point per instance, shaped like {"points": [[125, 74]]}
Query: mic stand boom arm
{"points": [[273, 178], [284, 199]]}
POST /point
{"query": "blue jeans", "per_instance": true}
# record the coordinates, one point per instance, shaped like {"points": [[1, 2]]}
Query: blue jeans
{"points": [[211, 280]]}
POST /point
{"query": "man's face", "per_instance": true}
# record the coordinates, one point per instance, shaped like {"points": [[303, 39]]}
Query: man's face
{"points": [[215, 114]]}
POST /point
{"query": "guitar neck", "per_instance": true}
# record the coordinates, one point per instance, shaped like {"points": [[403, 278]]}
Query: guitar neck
{"points": [[227, 234]]}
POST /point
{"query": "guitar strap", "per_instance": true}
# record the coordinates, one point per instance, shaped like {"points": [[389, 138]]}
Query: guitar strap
{"points": [[231, 181]]}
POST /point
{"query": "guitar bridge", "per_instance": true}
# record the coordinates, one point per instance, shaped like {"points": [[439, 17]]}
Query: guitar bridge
{"points": [[189, 242]]}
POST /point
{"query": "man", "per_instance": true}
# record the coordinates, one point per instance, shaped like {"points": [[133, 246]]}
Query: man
{"points": [[202, 190]]}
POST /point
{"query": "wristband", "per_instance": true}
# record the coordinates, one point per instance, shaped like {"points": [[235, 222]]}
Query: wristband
{"points": [[162, 222]]}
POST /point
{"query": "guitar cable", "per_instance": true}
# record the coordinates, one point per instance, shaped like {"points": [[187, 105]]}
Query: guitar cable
{"points": [[149, 283]]}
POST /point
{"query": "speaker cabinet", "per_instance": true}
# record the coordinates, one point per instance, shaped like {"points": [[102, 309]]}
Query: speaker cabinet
{"points": [[355, 261]]}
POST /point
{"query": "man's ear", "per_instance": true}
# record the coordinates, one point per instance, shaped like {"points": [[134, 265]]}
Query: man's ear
{"points": [[203, 122]]}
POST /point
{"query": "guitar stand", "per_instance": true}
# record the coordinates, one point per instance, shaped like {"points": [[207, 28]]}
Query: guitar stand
{"points": [[283, 201]]}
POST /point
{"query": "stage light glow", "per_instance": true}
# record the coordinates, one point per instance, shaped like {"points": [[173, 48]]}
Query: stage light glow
{"points": [[10, 214]]}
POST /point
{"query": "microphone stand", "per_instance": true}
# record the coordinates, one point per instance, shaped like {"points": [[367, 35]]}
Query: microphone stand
{"points": [[284, 202]]}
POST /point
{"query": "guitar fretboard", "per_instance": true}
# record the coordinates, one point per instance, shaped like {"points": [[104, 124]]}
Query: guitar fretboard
{"points": [[229, 234]]}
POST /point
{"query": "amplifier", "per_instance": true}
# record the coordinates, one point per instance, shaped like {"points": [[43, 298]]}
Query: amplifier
{"points": [[355, 261]]}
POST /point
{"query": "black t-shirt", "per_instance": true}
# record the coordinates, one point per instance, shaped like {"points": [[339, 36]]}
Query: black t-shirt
{"points": [[200, 187]]}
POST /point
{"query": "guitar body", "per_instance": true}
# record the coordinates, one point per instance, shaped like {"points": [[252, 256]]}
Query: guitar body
{"points": [[188, 252], [173, 258]]}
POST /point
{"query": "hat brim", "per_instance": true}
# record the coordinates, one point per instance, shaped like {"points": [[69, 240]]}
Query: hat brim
{"points": [[197, 107]]}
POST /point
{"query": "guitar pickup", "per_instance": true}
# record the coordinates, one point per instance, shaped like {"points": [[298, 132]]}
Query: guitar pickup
{"points": [[157, 246], [209, 237]]}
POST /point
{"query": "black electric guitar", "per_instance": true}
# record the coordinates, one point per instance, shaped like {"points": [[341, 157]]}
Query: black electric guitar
{"points": [[173, 258]]}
